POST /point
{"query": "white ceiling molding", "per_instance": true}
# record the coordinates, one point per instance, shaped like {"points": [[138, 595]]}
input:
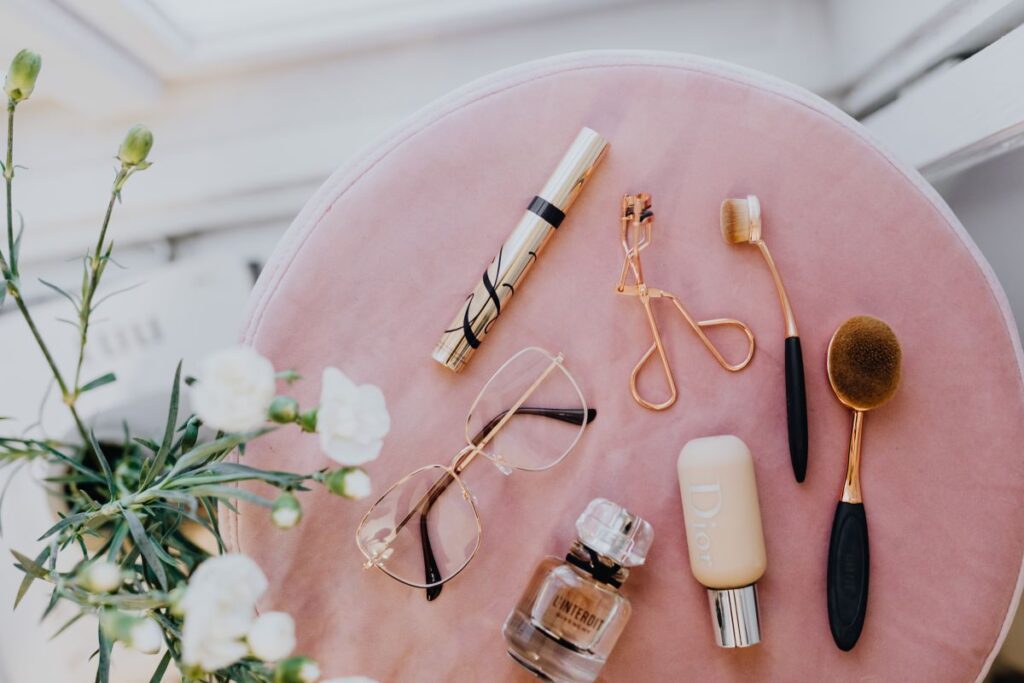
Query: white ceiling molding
{"points": [[250, 148], [183, 39], [75, 55]]}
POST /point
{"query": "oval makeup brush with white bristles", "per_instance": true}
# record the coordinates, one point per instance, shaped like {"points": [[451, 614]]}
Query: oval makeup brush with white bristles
{"points": [[741, 224]]}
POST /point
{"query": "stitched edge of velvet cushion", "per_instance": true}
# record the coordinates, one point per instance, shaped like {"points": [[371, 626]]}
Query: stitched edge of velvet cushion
{"points": [[309, 218]]}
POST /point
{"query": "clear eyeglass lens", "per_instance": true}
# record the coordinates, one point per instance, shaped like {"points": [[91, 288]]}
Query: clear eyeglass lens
{"points": [[544, 428], [423, 531]]}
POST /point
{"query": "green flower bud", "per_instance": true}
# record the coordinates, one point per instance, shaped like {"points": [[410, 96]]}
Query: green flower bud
{"points": [[136, 146], [297, 670], [286, 511], [137, 632], [348, 482], [191, 435], [100, 576], [175, 597], [307, 420], [284, 409], [21, 77]]}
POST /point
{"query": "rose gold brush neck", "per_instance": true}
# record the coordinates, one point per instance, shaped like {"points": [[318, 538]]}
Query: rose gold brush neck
{"points": [[851, 490], [787, 310]]}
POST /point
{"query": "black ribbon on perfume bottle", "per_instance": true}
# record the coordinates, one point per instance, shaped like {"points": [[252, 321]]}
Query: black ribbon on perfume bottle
{"points": [[546, 210], [595, 567]]}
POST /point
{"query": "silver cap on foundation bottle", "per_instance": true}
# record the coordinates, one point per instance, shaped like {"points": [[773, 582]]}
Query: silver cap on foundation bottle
{"points": [[735, 615]]}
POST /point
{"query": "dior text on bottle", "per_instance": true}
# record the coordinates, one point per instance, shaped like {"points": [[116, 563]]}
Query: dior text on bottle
{"points": [[723, 533]]}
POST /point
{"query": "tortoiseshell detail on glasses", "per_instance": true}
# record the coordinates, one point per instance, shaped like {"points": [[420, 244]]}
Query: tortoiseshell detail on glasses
{"points": [[575, 416], [379, 535]]}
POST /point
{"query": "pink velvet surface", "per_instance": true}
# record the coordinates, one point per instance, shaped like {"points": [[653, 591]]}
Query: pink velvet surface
{"points": [[380, 259]]}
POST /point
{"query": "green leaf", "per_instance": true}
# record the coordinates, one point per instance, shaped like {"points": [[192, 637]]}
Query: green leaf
{"points": [[147, 443], [29, 577], [288, 376], [98, 382], [223, 445], [195, 517], [157, 465], [104, 465], [227, 472], [115, 293], [176, 496], [54, 599], [131, 601], [145, 546], [60, 290], [16, 255], [211, 513], [103, 669], [30, 566], [64, 523], [161, 669], [229, 492], [70, 462], [68, 624], [117, 540]]}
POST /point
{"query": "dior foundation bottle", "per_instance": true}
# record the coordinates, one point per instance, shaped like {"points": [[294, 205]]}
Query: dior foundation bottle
{"points": [[572, 613], [723, 533]]}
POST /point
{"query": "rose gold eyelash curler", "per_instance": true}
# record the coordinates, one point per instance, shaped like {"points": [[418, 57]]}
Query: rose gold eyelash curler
{"points": [[637, 224]]}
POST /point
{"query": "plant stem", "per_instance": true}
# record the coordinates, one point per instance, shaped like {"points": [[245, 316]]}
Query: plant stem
{"points": [[96, 266], [16, 295], [10, 274], [9, 179]]}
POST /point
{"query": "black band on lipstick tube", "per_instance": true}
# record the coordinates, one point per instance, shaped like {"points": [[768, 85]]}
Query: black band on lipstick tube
{"points": [[548, 211]]}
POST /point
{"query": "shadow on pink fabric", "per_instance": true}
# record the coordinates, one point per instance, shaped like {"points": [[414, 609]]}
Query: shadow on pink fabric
{"points": [[381, 257]]}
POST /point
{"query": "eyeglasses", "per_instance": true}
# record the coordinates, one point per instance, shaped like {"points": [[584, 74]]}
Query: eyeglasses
{"points": [[425, 529], [636, 230]]}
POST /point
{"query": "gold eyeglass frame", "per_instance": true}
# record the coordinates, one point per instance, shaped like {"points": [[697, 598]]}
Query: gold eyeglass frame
{"points": [[464, 458], [636, 232]]}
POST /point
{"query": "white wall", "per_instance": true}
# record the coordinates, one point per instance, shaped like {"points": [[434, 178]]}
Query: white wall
{"points": [[989, 200], [252, 146]]}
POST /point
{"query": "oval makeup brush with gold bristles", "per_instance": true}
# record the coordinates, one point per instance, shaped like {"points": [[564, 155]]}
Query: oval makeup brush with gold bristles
{"points": [[864, 360], [741, 224]]}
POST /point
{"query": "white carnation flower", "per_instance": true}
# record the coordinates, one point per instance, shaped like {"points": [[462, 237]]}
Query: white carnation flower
{"points": [[272, 636], [234, 389], [220, 607], [352, 419]]}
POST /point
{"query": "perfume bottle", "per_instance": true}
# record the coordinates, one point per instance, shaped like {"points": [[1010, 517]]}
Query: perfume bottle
{"points": [[571, 613]]}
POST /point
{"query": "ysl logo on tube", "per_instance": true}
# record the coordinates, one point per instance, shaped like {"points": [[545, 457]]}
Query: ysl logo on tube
{"points": [[506, 272]]}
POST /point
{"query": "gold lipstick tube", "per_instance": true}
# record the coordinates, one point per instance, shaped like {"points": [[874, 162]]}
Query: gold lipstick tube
{"points": [[506, 272]]}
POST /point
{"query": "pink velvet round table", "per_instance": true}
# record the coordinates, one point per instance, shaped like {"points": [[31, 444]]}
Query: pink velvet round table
{"points": [[381, 257]]}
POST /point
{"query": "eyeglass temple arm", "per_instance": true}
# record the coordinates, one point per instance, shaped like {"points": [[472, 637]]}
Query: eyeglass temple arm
{"points": [[430, 568], [571, 416], [575, 416]]}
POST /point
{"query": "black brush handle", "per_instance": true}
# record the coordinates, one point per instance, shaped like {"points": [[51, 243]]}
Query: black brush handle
{"points": [[848, 574], [796, 407]]}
